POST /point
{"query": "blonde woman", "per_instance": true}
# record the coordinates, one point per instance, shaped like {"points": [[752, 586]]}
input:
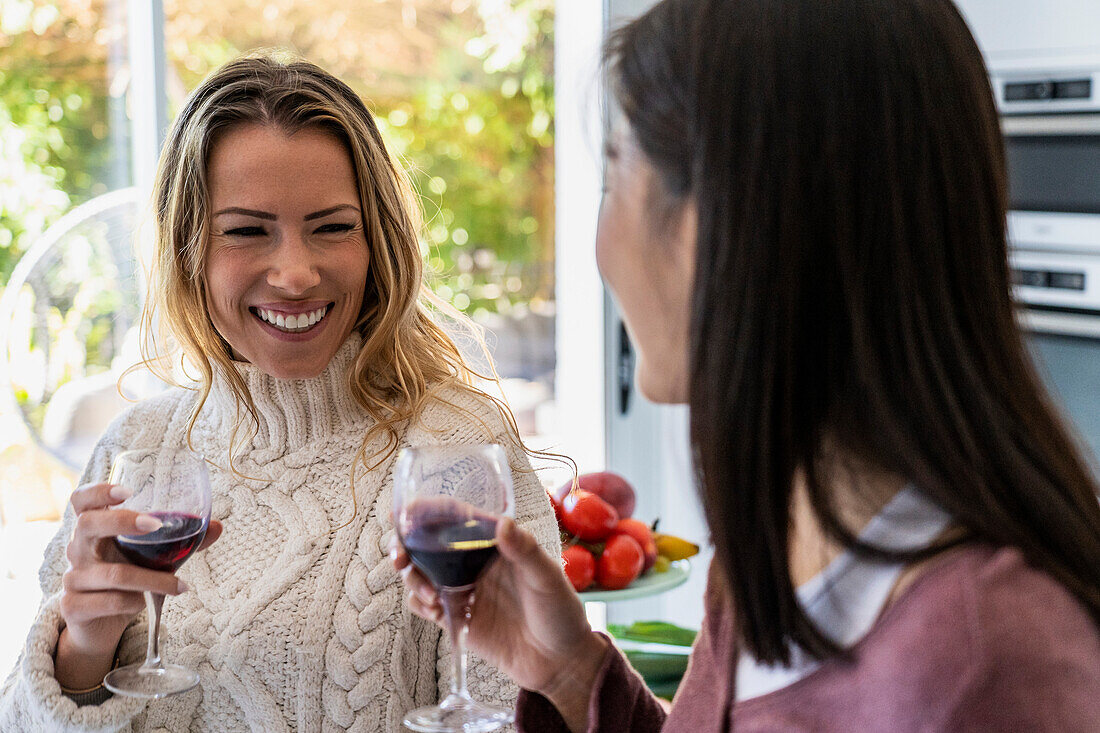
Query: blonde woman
{"points": [[289, 274]]}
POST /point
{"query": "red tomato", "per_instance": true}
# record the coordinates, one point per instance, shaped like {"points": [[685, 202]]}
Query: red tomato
{"points": [[644, 536], [620, 563], [580, 566], [556, 503], [587, 516]]}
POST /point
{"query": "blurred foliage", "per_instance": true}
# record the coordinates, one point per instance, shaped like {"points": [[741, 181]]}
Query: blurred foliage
{"points": [[463, 89]]}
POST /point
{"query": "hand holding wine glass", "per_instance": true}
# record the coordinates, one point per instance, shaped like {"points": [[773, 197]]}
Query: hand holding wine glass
{"points": [[529, 623], [101, 591], [447, 502], [173, 490]]}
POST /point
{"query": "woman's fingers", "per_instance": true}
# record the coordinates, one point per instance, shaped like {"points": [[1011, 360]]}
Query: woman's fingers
{"points": [[422, 596], [213, 532], [428, 611], [82, 608], [418, 585], [119, 576], [93, 525], [98, 496], [398, 556], [423, 600]]}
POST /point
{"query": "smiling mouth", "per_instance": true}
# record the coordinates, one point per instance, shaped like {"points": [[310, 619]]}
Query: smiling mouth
{"points": [[299, 323]]}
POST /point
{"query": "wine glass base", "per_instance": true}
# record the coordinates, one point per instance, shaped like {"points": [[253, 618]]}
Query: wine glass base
{"points": [[458, 715], [150, 683]]}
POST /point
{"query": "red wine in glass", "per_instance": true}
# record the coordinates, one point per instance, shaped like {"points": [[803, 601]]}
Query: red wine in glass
{"points": [[165, 548], [452, 549]]}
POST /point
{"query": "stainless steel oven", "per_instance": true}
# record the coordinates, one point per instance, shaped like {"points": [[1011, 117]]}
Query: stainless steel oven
{"points": [[1051, 123], [1044, 65]]}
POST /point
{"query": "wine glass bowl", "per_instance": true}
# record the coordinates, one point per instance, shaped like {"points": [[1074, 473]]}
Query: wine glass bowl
{"points": [[447, 502], [174, 487]]}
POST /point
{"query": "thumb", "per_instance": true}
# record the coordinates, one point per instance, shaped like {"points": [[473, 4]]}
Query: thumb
{"points": [[513, 543], [213, 532], [520, 548]]}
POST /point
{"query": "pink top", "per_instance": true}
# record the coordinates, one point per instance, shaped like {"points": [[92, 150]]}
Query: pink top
{"points": [[980, 641]]}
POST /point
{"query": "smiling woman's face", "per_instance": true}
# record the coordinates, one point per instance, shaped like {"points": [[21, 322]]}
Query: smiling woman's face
{"points": [[287, 263]]}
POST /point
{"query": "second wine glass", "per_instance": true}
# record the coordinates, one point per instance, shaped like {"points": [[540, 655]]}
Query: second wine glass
{"points": [[174, 487], [447, 501]]}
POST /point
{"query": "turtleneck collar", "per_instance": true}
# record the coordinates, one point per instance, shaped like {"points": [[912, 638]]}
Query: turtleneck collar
{"points": [[292, 413]]}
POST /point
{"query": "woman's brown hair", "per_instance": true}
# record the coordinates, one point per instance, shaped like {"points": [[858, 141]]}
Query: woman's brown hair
{"points": [[851, 289]]}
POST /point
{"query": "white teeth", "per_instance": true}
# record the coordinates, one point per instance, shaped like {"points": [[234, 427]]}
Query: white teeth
{"points": [[297, 323]]}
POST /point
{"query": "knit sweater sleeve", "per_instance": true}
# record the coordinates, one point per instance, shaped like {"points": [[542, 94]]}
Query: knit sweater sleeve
{"points": [[31, 699], [446, 424]]}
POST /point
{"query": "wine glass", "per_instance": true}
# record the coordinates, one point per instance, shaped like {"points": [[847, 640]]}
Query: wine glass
{"points": [[447, 500], [174, 487]]}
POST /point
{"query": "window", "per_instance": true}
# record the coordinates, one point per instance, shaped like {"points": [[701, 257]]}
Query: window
{"points": [[463, 91]]}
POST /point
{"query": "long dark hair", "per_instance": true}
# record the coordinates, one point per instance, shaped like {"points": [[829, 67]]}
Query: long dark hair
{"points": [[851, 287]]}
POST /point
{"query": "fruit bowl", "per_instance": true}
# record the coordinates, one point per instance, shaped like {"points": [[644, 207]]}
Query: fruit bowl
{"points": [[649, 584]]}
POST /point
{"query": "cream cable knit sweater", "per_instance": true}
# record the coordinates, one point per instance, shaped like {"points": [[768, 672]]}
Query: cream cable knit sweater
{"points": [[294, 622]]}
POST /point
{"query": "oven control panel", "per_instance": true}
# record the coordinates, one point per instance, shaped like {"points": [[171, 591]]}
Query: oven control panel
{"points": [[1056, 279], [1031, 93], [1060, 280]]}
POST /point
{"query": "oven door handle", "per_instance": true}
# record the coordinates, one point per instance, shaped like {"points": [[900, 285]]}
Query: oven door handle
{"points": [[1061, 324], [1067, 124]]}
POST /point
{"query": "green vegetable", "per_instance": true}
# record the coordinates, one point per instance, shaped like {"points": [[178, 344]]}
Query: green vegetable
{"points": [[665, 688], [657, 667], [659, 632]]}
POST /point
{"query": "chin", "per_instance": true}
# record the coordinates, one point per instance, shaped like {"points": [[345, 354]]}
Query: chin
{"points": [[662, 387]]}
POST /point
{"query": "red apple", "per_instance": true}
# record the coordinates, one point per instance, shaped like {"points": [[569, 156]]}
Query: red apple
{"points": [[611, 487]]}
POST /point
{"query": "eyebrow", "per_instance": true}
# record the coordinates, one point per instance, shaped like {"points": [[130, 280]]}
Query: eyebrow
{"points": [[271, 217]]}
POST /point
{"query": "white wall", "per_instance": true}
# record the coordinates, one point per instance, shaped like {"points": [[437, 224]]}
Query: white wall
{"points": [[579, 385], [1035, 35]]}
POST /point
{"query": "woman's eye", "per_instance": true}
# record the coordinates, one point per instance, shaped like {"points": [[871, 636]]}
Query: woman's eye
{"points": [[246, 232], [334, 228]]}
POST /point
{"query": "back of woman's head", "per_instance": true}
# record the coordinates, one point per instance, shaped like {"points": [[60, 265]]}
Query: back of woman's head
{"points": [[851, 283]]}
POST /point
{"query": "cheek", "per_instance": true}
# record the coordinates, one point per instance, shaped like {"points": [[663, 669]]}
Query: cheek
{"points": [[355, 272], [607, 244], [226, 282]]}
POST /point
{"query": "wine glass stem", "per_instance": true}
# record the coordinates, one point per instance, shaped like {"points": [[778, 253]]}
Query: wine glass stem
{"points": [[456, 607], [153, 602]]}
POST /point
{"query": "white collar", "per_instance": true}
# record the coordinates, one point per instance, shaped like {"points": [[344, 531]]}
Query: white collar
{"points": [[846, 598]]}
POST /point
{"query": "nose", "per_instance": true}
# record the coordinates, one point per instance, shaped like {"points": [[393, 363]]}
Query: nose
{"points": [[292, 268]]}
